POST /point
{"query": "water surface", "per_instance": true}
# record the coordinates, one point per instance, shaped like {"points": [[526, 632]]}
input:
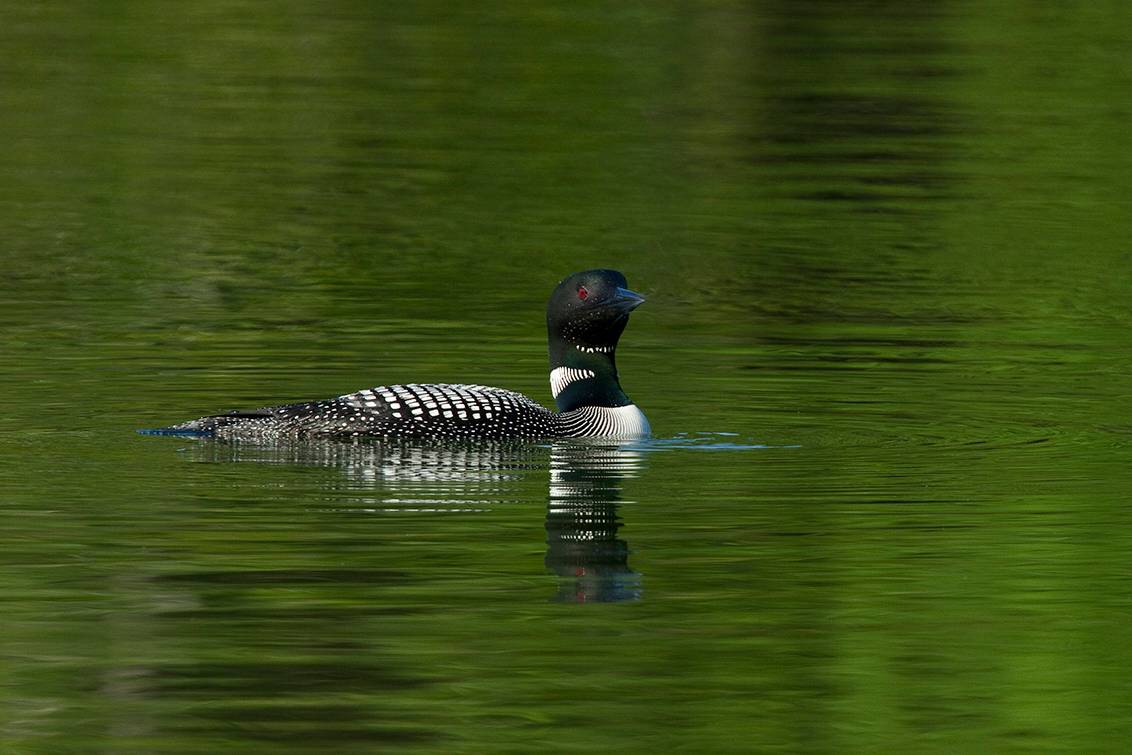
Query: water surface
{"points": [[885, 355]]}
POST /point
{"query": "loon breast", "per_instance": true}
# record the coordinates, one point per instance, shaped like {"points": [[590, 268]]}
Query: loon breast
{"points": [[619, 422]]}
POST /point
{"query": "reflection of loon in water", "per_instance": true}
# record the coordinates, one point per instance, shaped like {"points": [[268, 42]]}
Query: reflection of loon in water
{"points": [[582, 523], [581, 520]]}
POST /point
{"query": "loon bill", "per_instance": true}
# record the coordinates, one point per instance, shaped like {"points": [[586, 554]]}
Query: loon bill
{"points": [[585, 317]]}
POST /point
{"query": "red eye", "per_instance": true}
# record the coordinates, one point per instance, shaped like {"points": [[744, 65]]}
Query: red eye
{"points": [[583, 293]]}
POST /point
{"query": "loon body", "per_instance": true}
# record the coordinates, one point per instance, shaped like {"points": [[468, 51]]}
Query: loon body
{"points": [[585, 317]]}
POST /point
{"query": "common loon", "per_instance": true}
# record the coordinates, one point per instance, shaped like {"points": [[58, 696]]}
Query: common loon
{"points": [[585, 317]]}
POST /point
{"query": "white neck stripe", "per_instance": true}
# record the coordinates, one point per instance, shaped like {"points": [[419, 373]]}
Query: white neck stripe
{"points": [[560, 377]]}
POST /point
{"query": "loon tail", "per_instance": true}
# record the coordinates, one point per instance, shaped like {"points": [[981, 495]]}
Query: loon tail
{"points": [[206, 427], [182, 432]]}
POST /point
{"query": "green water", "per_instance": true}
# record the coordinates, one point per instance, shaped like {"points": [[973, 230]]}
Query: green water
{"points": [[885, 356]]}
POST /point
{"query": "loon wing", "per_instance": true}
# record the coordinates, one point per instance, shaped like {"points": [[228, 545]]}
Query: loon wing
{"points": [[247, 414], [430, 411]]}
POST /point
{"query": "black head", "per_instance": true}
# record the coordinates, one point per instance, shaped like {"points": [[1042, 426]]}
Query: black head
{"points": [[591, 308], [585, 316]]}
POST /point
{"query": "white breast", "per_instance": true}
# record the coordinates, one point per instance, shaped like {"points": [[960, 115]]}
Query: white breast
{"points": [[604, 422]]}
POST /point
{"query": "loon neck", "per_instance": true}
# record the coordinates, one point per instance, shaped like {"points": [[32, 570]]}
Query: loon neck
{"points": [[584, 375]]}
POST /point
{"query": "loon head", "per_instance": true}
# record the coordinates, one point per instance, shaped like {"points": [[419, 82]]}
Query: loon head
{"points": [[585, 317]]}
